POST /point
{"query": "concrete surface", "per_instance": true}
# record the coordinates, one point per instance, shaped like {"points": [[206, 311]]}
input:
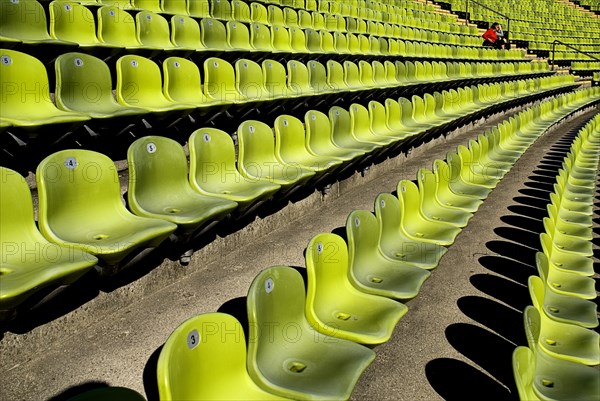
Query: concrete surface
{"points": [[455, 342]]}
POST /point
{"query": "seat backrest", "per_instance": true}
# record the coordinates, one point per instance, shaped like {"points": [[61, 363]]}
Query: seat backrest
{"points": [[240, 11], [290, 18], [327, 267], [366, 73], [258, 13], [318, 131], [116, 27], [155, 162], [185, 32], [198, 8], [274, 78], [260, 37], [298, 81], [238, 36], [317, 77], [249, 79], [83, 83], [182, 81], [204, 358], [221, 9], [360, 122], [537, 291], [298, 40], [23, 84], [275, 15], [212, 159], [174, 7], [76, 183], [377, 118], [213, 34], [72, 22], [219, 80], [341, 128], [147, 5], [410, 201], [290, 139], [362, 231], [153, 30], [256, 147], [387, 211], [352, 75], [139, 81], [23, 20], [532, 322], [280, 38], [335, 75]]}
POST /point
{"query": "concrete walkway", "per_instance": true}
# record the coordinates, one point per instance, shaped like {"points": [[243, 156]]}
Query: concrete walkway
{"points": [[455, 342]]}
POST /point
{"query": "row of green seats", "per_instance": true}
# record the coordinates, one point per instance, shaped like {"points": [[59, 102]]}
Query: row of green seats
{"points": [[559, 325], [84, 86], [346, 301], [79, 179], [585, 65]]}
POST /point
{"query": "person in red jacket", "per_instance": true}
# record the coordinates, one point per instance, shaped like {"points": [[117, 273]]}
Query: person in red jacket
{"points": [[494, 37]]}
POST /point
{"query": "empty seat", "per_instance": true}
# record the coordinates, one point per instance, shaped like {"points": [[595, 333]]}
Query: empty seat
{"points": [[312, 366], [84, 85], [159, 187], [29, 262], [221, 9], [334, 306], [80, 206], [213, 170], [152, 30], [219, 82], [563, 282], [73, 22], [179, 7], [116, 27], [214, 34], [249, 81], [185, 33], [205, 359], [25, 21], [319, 141], [25, 93]]}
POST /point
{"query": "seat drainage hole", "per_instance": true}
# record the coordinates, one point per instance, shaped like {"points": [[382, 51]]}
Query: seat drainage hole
{"points": [[296, 367], [100, 237], [173, 210]]}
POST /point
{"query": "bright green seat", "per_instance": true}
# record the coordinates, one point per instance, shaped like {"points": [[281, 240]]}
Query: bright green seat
{"points": [[378, 122], [540, 376], [370, 270], [182, 83], [341, 132], [335, 307], [205, 359], [80, 206], [394, 120], [257, 161], [198, 8], [460, 179], [290, 146], [395, 244], [84, 85], [561, 340], [481, 152], [238, 36], [475, 173], [249, 80], [432, 207], [221, 9], [109, 393], [260, 37], [562, 308], [360, 124], [25, 95], [298, 83], [570, 203], [214, 34], [568, 216], [567, 244], [175, 7], [319, 140], [219, 82], [29, 262], [568, 227], [159, 187], [213, 170], [414, 223], [116, 27], [570, 190], [148, 5], [139, 84], [152, 31], [240, 11], [275, 79], [25, 21], [564, 282], [294, 360]]}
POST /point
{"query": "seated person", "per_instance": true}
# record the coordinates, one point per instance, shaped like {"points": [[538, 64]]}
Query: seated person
{"points": [[494, 36]]}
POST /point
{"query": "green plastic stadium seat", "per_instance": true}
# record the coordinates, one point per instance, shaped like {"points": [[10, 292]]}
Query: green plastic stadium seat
{"points": [[214, 34], [139, 84], [159, 187], [116, 27], [221, 9], [341, 132], [413, 222], [290, 148], [311, 367], [260, 37], [109, 393], [335, 307], [562, 308], [319, 141], [29, 262], [178, 7], [460, 179], [565, 261], [84, 85], [540, 376], [249, 81], [152, 30], [561, 340], [475, 173], [275, 79], [198, 8], [219, 82], [298, 83], [395, 244], [431, 205], [205, 359], [25, 21], [182, 82], [567, 244], [213, 170], [562, 282], [80, 206], [25, 93], [379, 124], [238, 36], [568, 227], [147, 5], [240, 11], [373, 272], [360, 124], [447, 194], [257, 161]]}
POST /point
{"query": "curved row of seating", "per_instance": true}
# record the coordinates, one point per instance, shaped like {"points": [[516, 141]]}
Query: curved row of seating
{"points": [[298, 337], [559, 325], [73, 182], [84, 86]]}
